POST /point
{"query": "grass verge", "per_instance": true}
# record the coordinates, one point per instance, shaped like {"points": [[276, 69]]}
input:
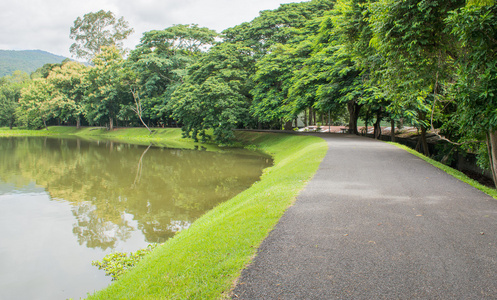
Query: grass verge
{"points": [[204, 261], [455, 173]]}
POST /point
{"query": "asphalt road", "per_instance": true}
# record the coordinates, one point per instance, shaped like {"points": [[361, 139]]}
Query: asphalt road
{"points": [[376, 222]]}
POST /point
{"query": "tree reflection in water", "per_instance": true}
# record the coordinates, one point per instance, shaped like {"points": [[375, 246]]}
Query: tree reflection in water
{"points": [[118, 188], [93, 231]]}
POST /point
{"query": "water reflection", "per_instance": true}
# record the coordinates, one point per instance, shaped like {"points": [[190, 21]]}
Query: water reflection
{"points": [[115, 189]]}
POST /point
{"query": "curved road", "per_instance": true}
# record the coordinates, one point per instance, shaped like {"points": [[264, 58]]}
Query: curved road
{"points": [[376, 222]]}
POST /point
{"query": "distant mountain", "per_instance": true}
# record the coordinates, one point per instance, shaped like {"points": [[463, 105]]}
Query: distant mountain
{"points": [[25, 60]]}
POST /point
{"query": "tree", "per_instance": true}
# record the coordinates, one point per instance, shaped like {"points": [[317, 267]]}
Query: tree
{"points": [[329, 78], [10, 92], [279, 41], [215, 94], [36, 104], [277, 26], [67, 82], [475, 93], [418, 56], [272, 83], [97, 30], [105, 93], [160, 62]]}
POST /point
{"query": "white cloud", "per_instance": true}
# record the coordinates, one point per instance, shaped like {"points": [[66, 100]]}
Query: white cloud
{"points": [[45, 24]]}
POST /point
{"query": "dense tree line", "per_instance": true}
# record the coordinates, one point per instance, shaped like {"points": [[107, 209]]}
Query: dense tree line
{"points": [[429, 63]]}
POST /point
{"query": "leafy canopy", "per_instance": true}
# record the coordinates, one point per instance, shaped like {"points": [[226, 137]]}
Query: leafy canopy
{"points": [[97, 30]]}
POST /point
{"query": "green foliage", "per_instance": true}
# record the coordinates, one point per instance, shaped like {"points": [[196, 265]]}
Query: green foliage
{"points": [[160, 62], [273, 81], [36, 104], [476, 88], [10, 93], [418, 54], [97, 30], [276, 26], [67, 82], [215, 94], [105, 93], [281, 41], [117, 263]]}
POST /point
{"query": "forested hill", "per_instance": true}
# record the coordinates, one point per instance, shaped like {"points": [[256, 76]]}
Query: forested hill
{"points": [[26, 60]]}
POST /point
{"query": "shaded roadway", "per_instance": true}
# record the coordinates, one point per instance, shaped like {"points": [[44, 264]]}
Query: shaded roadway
{"points": [[376, 222]]}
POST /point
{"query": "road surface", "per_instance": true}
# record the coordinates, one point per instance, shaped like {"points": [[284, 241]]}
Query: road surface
{"points": [[376, 222]]}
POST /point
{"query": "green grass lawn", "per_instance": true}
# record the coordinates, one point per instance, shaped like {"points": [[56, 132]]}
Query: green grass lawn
{"points": [[204, 261]]}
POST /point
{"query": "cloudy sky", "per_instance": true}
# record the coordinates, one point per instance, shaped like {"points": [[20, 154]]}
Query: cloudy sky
{"points": [[45, 24]]}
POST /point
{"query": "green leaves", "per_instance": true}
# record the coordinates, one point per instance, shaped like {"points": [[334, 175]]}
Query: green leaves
{"points": [[97, 30], [105, 93], [476, 86], [215, 93], [117, 263]]}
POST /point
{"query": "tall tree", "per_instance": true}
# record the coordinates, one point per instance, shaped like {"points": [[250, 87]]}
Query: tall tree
{"points": [[215, 94], [160, 62], [273, 80], [418, 56], [279, 41], [97, 30], [36, 104], [276, 26], [329, 78], [105, 92], [67, 82]]}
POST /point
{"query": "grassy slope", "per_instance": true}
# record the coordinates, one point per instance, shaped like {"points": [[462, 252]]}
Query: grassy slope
{"points": [[204, 261]]}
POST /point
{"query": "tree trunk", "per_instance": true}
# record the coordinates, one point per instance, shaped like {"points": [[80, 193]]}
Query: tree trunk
{"points": [[392, 130], [111, 123], [310, 117], [78, 122], [305, 118], [424, 142], [492, 153], [329, 121], [139, 168], [288, 125], [149, 131], [377, 125], [366, 123], [354, 110]]}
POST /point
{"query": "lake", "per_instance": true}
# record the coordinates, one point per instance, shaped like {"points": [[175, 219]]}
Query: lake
{"points": [[65, 202]]}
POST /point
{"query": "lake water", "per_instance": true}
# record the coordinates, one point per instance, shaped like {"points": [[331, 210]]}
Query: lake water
{"points": [[67, 202]]}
